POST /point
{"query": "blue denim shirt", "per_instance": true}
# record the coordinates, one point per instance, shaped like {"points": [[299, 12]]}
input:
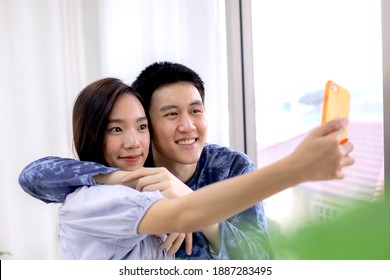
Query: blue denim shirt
{"points": [[244, 236]]}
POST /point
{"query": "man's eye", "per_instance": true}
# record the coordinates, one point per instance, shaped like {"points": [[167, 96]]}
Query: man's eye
{"points": [[171, 114]]}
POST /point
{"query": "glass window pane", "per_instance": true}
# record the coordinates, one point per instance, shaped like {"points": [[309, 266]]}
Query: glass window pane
{"points": [[298, 46]]}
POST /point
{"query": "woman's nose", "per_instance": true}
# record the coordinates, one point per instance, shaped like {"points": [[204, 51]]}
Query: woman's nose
{"points": [[131, 140]]}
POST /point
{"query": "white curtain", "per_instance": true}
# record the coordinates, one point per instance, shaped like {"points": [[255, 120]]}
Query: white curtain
{"points": [[135, 34], [41, 71], [50, 49]]}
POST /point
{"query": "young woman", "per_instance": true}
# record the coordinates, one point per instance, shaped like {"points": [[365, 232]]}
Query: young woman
{"points": [[117, 222]]}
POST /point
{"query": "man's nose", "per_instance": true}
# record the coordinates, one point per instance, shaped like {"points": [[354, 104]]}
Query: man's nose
{"points": [[186, 123]]}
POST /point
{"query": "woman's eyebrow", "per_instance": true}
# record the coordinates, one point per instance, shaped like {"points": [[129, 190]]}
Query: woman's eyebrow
{"points": [[142, 119], [115, 121], [118, 120]]}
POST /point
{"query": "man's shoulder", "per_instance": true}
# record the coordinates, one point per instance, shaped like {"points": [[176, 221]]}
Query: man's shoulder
{"points": [[218, 163], [215, 150], [215, 154]]}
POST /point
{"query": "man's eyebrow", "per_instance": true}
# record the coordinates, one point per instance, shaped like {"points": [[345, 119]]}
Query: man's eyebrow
{"points": [[167, 107], [196, 102], [171, 106]]}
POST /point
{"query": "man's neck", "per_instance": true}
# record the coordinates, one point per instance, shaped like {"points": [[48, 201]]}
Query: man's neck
{"points": [[183, 172]]}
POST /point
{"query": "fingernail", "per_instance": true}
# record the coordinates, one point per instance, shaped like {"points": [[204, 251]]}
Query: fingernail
{"points": [[343, 141]]}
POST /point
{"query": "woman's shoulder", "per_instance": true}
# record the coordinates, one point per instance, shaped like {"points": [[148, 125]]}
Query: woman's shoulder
{"points": [[101, 195]]}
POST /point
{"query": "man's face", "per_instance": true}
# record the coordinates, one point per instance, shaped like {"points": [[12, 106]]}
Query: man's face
{"points": [[179, 123]]}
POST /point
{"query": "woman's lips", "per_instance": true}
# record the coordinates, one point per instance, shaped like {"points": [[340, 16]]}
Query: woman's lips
{"points": [[131, 158]]}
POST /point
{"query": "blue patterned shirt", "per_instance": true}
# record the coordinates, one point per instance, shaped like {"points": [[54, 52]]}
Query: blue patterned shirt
{"points": [[244, 236]]}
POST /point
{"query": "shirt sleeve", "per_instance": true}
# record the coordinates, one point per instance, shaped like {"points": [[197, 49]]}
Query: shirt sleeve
{"points": [[245, 236], [109, 213], [51, 179]]}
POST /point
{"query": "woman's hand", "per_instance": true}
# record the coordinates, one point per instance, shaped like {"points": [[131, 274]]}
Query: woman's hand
{"points": [[156, 179], [320, 156], [160, 179]]}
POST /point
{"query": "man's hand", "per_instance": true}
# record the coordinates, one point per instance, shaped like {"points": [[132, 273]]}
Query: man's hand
{"points": [[174, 240]]}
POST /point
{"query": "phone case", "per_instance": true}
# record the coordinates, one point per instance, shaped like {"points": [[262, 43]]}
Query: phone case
{"points": [[336, 104]]}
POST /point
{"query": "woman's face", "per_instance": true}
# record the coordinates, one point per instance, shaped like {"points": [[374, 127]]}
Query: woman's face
{"points": [[126, 139]]}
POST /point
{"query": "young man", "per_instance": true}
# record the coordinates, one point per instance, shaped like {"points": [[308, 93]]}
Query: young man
{"points": [[174, 97]]}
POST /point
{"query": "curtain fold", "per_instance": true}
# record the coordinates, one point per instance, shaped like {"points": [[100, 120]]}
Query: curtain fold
{"points": [[51, 49], [42, 69]]}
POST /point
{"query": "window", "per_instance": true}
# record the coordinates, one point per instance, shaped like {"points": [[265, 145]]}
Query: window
{"points": [[297, 47]]}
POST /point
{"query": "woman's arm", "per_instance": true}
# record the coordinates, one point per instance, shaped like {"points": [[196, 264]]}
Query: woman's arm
{"points": [[318, 157], [51, 179], [218, 201]]}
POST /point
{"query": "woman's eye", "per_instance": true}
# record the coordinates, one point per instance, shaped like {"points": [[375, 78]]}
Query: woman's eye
{"points": [[143, 126], [115, 129]]}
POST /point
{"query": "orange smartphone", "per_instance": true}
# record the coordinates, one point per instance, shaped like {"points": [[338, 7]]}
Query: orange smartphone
{"points": [[336, 104]]}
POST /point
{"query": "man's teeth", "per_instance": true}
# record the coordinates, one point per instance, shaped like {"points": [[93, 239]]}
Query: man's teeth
{"points": [[186, 142]]}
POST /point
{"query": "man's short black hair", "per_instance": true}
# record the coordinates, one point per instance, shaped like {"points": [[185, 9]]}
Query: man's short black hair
{"points": [[163, 73]]}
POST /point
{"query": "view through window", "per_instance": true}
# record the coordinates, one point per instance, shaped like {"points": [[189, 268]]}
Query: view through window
{"points": [[298, 46]]}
